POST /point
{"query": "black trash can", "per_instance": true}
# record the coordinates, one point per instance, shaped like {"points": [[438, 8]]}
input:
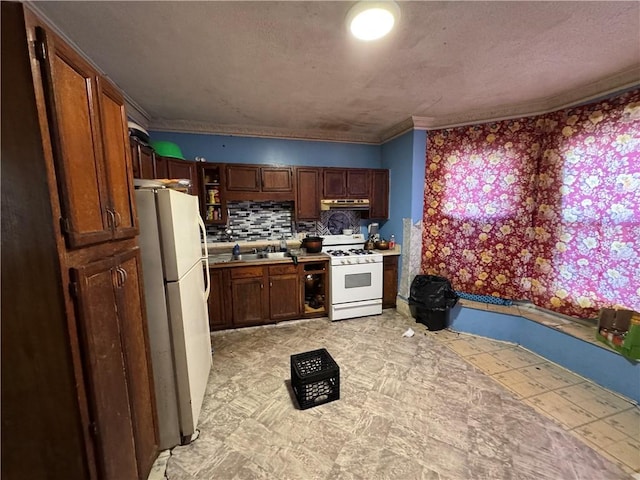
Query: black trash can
{"points": [[430, 301]]}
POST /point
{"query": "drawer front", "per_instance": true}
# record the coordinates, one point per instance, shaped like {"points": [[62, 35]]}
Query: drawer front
{"points": [[246, 272], [282, 269]]}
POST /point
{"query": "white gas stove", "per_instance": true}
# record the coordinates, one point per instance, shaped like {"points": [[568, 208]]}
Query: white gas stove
{"points": [[356, 277]]}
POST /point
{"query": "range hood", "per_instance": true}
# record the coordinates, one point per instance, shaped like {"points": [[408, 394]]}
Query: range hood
{"points": [[345, 204]]}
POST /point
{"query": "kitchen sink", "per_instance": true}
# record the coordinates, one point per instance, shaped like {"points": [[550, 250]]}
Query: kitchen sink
{"points": [[248, 257], [276, 254]]}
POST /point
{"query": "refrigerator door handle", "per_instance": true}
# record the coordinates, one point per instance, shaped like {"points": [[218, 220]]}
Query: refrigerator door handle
{"points": [[203, 229]]}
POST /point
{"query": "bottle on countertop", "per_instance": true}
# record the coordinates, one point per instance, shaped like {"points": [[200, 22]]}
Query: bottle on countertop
{"points": [[236, 249], [392, 242], [283, 244]]}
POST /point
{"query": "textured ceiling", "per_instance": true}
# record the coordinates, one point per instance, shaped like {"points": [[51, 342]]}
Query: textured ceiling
{"points": [[290, 69]]}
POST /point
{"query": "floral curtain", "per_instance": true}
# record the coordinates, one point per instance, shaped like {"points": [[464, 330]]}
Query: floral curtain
{"points": [[544, 208]]}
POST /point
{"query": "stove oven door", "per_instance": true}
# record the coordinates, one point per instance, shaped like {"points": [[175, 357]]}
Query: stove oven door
{"points": [[355, 283]]}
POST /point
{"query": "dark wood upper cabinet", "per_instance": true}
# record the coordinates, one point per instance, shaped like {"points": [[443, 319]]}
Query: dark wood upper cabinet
{"points": [[91, 147], [70, 87], [357, 183], [115, 142], [334, 183], [162, 166], [177, 168], [258, 182], [345, 183], [243, 178], [379, 194], [307, 193], [142, 159], [276, 179]]}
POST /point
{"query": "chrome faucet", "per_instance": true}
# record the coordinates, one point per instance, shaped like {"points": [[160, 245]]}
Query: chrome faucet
{"points": [[228, 232]]}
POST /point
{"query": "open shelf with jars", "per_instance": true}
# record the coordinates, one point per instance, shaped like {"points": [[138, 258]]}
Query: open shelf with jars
{"points": [[213, 204]]}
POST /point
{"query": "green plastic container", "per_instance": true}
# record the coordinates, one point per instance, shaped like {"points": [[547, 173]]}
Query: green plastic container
{"points": [[167, 149]]}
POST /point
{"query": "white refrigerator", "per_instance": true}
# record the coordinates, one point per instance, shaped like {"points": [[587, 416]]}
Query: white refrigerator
{"points": [[172, 235]]}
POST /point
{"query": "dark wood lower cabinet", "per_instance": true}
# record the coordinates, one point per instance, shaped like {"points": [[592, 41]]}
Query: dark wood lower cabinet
{"points": [[218, 317], [249, 296], [244, 296], [390, 281], [284, 292], [121, 395], [108, 392], [138, 362]]}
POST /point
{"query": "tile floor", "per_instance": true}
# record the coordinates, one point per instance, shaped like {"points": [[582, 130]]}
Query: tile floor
{"points": [[438, 405], [606, 421]]}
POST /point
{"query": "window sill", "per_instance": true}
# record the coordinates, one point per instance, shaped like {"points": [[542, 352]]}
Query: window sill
{"points": [[584, 330]]}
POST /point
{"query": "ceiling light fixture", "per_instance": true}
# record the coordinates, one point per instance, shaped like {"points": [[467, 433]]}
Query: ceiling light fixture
{"points": [[372, 20]]}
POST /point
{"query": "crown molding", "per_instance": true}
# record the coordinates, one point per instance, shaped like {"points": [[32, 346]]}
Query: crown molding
{"points": [[397, 130], [598, 90], [187, 126]]}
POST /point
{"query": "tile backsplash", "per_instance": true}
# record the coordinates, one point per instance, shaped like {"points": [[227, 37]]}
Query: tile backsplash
{"points": [[271, 220]]}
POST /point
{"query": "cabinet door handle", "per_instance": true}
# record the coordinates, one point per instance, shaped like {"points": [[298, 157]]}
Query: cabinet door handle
{"points": [[118, 218], [121, 276], [111, 219], [261, 286]]}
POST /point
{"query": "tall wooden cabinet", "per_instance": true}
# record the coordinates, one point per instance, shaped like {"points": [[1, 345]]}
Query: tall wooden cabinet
{"points": [[76, 376], [308, 193], [379, 194]]}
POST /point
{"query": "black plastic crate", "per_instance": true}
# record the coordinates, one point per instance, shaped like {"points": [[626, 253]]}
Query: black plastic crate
{"points": [[315, 378]]}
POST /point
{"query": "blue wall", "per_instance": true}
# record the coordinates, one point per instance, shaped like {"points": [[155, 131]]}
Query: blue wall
{"points": [[603, 366], [418, 171], [233, 149], [405, 158], [397, 156]]}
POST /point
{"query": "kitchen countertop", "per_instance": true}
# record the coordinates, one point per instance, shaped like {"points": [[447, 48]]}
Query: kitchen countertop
{"points": [[392, 251], [225, 260], [220, 253], [248, 246]]}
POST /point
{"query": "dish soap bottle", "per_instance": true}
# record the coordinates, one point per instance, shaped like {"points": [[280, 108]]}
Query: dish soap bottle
{"points": [[283, 244], [236, 250], [392, 242]]}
